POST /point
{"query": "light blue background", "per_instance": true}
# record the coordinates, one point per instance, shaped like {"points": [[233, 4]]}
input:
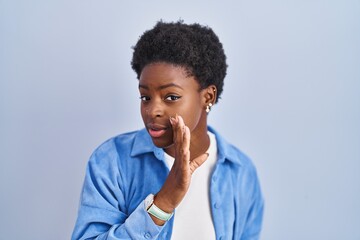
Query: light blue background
{"points": [[291, 102]]}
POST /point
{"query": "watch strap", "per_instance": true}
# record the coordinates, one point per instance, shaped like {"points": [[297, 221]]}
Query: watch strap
{"points": [[156, 211]]}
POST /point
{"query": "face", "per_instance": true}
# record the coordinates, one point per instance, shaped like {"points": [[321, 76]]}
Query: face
{"points": [[165, 91]]}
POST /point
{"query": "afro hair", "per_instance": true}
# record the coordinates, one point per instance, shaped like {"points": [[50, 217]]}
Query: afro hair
{"points": [[192, 46]]}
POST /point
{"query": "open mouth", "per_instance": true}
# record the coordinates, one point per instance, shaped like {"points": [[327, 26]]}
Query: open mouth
{"points": [[156, 130], [155, 133]]}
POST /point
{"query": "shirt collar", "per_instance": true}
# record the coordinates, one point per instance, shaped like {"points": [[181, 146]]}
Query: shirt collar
{"points": [[144, 144]]}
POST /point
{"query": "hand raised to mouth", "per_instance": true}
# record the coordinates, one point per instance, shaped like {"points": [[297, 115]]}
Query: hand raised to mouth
{"points": [[179, 178]]}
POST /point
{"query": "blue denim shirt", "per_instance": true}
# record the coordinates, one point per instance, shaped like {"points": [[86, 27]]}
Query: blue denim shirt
{"points": [[127, 168]]}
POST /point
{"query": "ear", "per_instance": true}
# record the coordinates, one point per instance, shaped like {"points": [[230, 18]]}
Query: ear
{"points": [[209, 95]]}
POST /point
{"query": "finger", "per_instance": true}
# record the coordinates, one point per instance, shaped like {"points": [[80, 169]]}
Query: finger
{"points": [[180, 120], [197, 162], [186, 145], [179, 129], [173, 122], [186, 138]]}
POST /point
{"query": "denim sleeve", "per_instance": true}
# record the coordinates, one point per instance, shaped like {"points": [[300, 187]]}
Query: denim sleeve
{"points": [[102, 213], [255, 215]]}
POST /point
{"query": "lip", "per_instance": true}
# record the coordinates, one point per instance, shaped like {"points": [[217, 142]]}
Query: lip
{"points": [[156, 130]]}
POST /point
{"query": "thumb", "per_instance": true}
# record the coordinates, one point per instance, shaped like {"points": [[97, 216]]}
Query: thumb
{"points": [[197, 162]]}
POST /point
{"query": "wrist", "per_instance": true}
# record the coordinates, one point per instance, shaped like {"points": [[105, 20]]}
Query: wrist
{"points": [[158, 215], [163, 203]]}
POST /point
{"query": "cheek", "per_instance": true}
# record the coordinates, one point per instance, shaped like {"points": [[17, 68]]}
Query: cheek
{"points": [[143, 112], [192, 115]]}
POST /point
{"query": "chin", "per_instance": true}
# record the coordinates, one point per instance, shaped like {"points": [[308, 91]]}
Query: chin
{"points": [[162, 143]]}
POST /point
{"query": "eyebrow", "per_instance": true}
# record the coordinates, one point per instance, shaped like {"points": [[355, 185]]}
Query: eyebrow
{"points": [[162, 86]]}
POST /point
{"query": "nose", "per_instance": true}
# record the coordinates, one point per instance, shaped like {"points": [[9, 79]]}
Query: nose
{"points": [[155, 109]]}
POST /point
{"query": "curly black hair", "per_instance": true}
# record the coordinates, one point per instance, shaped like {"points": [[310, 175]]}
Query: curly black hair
{"points": [[192, 46]]}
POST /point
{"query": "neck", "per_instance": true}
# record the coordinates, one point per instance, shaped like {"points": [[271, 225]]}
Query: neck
{"points": [[199, 144]]}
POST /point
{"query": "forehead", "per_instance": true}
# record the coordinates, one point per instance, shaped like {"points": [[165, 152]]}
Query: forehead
{"points": [[157, 74]]}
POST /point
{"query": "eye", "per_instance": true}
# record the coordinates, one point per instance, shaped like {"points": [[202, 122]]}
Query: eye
{"points": [[172, 98], [144, 98]]}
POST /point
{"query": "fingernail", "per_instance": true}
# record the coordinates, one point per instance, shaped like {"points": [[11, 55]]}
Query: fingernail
{"points": [[171, 120]]}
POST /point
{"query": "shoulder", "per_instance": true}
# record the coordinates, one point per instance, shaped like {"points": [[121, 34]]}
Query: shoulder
{"points": [[236, 163], [240, 167], [230, 152], [114, 147], [124, 139], [125, 146]]}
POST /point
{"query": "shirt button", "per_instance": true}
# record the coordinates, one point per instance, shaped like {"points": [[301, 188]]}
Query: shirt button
{"points": [[214, 178], [216, 205], [147, 235]]}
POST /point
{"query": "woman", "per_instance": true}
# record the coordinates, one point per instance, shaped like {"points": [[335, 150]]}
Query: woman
{"points": [[177, 178]]}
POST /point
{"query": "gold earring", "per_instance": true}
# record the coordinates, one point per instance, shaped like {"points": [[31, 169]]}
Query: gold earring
{"points": [[208, 107]]}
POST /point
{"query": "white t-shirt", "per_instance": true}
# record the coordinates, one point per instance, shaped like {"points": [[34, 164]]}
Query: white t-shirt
{"points": [[193, 216]]}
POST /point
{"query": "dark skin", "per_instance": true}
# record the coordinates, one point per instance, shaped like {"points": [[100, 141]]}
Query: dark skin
{"points": [[173, 110]]}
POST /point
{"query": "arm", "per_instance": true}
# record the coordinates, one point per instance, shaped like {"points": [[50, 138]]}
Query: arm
{"points": [[255, 215], [102, 213]]}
